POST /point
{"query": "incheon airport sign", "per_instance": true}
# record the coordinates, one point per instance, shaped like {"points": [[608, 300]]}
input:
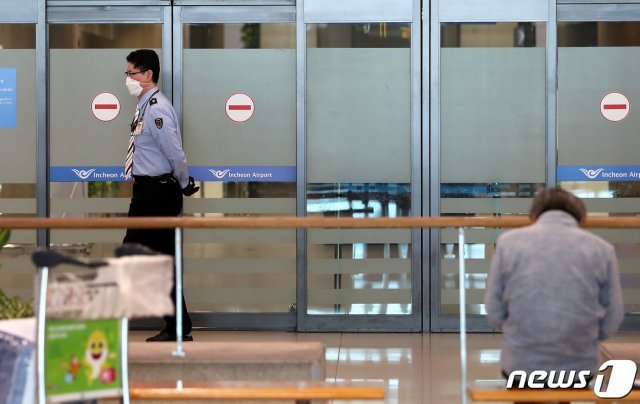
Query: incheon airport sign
{"points": [[598, 173], [199, 173]]}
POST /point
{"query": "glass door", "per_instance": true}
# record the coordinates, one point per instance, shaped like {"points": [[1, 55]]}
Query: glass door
{"points": [[598, 94], [236, 80], [361, 65], [489, 137]]}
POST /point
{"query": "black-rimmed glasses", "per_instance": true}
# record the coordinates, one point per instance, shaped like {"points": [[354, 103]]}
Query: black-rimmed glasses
{"points": [[129, 74]]}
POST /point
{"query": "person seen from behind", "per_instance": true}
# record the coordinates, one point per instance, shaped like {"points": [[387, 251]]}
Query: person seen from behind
{"points": [[553, 289]]}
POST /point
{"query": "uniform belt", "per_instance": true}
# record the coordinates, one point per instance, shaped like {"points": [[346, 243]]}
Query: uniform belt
{"points": [[145, 179]]}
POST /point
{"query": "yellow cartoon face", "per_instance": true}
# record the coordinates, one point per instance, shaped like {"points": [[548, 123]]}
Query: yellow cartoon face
{"points": [[97, 346]]}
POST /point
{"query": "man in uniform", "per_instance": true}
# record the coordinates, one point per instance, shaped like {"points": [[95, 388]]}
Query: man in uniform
{"points": [[157, 163]]}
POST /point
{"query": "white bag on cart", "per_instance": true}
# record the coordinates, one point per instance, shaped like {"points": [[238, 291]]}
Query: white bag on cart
{"points": [[131, 286]]}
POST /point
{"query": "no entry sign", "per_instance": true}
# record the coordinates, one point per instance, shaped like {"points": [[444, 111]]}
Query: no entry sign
{"points": [[239, 107], [105, 107], [614, 107]]}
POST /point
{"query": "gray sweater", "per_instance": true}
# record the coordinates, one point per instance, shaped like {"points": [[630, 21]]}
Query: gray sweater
{"points": [[554, 289]]}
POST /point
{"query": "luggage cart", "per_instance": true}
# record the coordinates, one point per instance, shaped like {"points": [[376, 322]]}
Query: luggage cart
{"points": [[82, 314]]}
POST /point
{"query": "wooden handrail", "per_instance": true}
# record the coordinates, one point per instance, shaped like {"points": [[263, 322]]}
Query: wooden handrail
{"points": [[291, 222], [256, 390]]}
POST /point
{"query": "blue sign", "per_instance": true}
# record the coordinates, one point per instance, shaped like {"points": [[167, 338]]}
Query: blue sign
{"points": [[200, 173], [598, 173], [7, 97], [244, 173], [86, 174]]}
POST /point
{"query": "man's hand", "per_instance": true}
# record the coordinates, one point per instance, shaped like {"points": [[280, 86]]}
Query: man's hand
{"points": [[191, 188]]}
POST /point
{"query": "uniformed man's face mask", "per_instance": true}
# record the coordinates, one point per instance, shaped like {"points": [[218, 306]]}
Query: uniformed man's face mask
{"points": [[134, 86]]}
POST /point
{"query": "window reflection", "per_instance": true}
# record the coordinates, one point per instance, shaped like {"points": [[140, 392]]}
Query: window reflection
{"points": [[602, 33], [17, 36], [347, 275], [493, 35], [240, 36], [105, 36], [367, 35]]}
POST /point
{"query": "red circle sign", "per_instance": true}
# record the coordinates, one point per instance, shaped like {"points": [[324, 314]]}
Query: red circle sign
{"points": [[105, 107], [239, 107], [615, 106]]}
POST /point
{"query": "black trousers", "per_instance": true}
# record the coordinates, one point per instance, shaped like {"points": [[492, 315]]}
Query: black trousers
{"points": [[158, 197]]}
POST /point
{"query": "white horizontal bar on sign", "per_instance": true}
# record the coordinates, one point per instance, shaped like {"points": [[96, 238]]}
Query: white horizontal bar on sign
{"points": [[472, 266], [479, 236], [280, 206], [204, 296], [90, 205], [618, 236], [485, 205], [451, 296], [87, 236], [244, 236], [364, 266], [262, 266], [614, 205], [328, 11], [351, 236], [359, 296], [493, 10], [18, 205], [23, 237]]}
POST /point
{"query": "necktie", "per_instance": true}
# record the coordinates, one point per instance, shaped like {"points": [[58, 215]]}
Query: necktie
{"points": [[128, 165]]}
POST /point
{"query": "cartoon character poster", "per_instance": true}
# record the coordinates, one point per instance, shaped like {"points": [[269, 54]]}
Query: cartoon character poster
{"points": [[82, 359]]}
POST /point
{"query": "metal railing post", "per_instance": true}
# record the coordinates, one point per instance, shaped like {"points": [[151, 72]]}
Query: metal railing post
{"points": [[463, 317], [124, 359], [41, 322], [178, 266]]}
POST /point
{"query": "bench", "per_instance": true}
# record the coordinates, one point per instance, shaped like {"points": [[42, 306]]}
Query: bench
{"points": [[496, 392], [300, 392]]}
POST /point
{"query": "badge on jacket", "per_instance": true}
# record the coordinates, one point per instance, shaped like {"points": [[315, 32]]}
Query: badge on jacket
{"points": [[159, 123]]}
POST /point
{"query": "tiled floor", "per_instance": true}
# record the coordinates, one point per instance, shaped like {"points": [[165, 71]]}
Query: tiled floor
{"points": [[416, 368]]}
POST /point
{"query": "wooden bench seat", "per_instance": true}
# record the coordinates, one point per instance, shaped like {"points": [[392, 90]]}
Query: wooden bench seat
{"points": [[256, 390], [486, 392]]}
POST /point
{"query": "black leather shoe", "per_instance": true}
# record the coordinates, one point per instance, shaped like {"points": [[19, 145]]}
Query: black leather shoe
{"points": [[165, 336]]}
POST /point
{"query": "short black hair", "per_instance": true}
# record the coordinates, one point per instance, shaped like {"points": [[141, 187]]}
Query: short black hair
{"points": [[558, 199], [146, 59]]}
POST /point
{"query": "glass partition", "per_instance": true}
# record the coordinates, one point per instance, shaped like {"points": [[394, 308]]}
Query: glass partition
{"points": [[359, 165], [597, 131], [239, 137], [493, 139], [89, 135], [18, 117]]}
